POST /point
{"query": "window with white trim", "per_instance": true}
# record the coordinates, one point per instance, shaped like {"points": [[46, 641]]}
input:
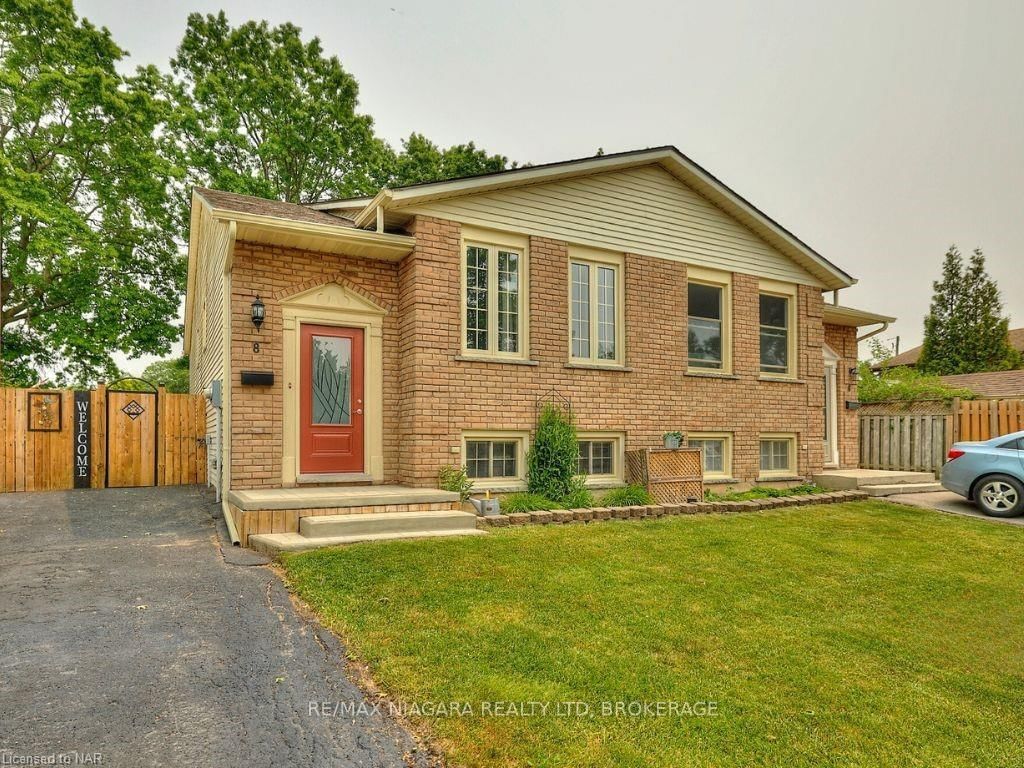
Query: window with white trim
{"points": [[775, 334], [597, 457], [595, 313], [493, 300], [716, 451], [495, 458], [600, 456], [704, 332], [778, 455]]}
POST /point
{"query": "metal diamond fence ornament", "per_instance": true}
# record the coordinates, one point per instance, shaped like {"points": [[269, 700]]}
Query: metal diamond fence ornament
{"points": [[133, 410]]}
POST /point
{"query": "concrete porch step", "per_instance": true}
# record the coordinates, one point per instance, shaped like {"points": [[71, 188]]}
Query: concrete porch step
{"points": [[380, 523], [896, 488], [852, 479], [272, 544]]}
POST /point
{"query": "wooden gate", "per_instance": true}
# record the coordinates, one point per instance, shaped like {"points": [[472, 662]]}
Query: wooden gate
{"points": [[131, 438], [60, 439]]}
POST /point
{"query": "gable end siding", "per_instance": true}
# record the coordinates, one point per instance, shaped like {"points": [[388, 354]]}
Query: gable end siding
{"points": [[643, 210]]}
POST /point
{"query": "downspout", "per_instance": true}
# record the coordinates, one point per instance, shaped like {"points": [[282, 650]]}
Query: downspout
{"points": [[230, 522], [875, 332]]}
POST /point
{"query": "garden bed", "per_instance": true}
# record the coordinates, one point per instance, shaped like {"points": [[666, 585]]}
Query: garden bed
{"points": [[597, 514]]}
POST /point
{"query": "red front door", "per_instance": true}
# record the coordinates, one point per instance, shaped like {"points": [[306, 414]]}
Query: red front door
{"points": [[331, 400]]}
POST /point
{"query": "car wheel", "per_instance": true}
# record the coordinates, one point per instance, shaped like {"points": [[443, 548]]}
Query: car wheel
{"points": [[1000, 496]]}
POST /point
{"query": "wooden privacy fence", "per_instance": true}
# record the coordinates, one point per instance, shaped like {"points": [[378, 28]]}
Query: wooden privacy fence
{"points": [[914, 443], [900, 437], [100, 438], [985, 419]]}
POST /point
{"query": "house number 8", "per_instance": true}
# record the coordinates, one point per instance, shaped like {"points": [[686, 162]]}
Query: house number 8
{"points": [[256, 346]]}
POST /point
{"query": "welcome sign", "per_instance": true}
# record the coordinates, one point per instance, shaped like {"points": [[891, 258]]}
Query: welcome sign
{"points": [[82, 440]]}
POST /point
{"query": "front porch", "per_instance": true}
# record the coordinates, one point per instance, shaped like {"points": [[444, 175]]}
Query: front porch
{"points": [[280, 510]]}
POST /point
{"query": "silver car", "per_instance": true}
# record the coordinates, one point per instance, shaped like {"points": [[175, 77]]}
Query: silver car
{"points": [[989, 473]]}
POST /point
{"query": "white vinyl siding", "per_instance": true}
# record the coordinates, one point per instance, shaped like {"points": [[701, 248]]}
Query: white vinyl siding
{"points": [[207, 343], [643, 210]]}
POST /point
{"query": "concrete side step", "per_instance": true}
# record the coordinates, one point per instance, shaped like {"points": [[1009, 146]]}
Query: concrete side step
{"points": [[273, 543], [851, 479], [376, 523], [895, 488]]}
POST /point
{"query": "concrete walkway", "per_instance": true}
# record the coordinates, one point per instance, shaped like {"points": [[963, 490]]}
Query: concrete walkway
{"points": [[124, 632], [945, 501]]}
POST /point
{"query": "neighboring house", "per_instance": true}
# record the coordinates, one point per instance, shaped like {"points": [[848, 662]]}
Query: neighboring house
{"points": [[911, 356], [423, 326], [992, 384]]}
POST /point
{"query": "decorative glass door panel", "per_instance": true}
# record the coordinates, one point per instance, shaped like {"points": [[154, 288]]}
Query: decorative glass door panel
{"points": [[331, 400]]}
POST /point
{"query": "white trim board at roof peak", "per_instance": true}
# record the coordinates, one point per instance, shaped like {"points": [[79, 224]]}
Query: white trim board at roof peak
{"points": [[644, 211]]}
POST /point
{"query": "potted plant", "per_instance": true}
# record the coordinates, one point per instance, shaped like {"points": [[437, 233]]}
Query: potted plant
{"points": [[672, 440]]}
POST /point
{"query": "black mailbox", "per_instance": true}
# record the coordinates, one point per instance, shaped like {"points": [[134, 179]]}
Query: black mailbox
{"points": [[258, 378]]}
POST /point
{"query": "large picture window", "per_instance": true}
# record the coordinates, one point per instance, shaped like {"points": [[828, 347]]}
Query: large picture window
{"points": [[595, 332], [493, 301]]}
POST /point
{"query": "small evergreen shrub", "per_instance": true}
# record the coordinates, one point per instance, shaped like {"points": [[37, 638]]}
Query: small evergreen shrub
{"points": [[553, 460], [527, 502], [455, 479], [629, 496]]}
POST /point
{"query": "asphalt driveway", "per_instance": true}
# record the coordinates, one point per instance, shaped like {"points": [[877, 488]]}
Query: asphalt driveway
{"points": [[124, 632]]}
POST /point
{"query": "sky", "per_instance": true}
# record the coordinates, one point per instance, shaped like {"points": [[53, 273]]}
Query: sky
{"points": [[879, 132]]}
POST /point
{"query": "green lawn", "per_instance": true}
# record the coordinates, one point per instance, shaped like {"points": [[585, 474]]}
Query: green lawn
{"points": [[854, 634]]}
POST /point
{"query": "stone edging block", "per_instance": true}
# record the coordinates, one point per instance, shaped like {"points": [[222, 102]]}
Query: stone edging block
{"points": [[564, 516]]}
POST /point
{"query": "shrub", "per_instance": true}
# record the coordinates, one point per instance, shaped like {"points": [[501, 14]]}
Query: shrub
{"points": [[579, 498], [454, 479], [629, 496], [906, 384], [527, 502], [553, 460], [763, 492]]}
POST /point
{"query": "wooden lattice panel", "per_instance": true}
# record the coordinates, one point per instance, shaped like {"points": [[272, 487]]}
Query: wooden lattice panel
{"points": [[681, 462], [676, 491], [671, 476]]}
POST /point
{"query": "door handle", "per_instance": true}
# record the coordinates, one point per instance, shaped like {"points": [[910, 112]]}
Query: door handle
{"points": [[359, 411]]}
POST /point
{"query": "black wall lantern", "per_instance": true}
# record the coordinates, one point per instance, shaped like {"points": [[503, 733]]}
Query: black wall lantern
{"points": [[258, 312]]}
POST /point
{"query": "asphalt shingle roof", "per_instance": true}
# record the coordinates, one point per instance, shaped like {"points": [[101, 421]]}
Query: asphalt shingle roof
{"points": [[229, 201]]}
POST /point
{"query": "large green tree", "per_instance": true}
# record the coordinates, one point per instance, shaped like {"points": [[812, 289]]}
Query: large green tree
{"points": [[172, 373], [965, 330], [263, 112], [422, 160], [88, 263]]}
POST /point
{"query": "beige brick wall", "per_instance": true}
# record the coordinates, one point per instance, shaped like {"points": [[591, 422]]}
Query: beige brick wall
{"points": [[257, 412], [843, 341], [431, 396], [443, 396]]}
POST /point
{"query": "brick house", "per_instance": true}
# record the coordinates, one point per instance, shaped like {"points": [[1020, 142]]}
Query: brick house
{"points": [[421, 327]]}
